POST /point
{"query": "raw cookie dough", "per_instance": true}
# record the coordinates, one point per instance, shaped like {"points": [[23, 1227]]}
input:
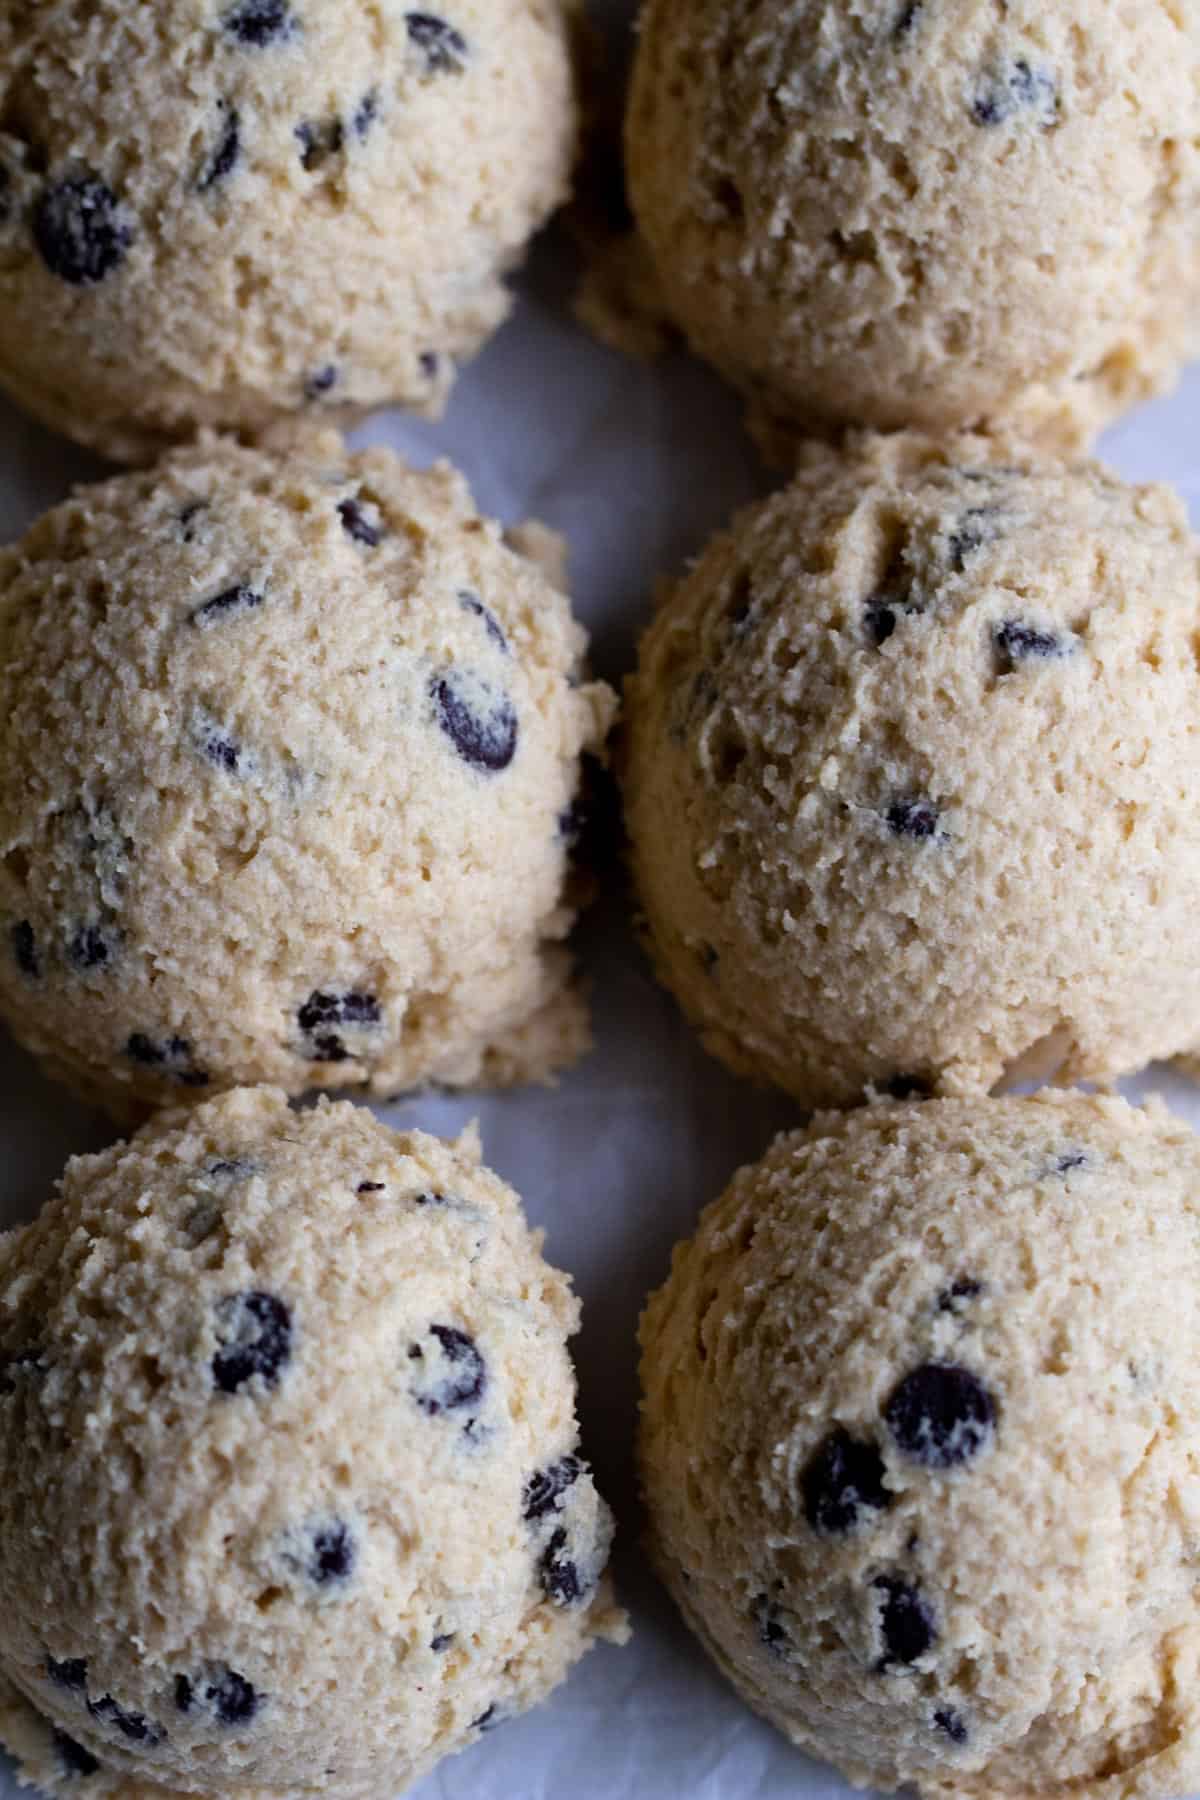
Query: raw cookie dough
{"points": [[920, 1442], [912, 776], [290, 1493], [943, 213], [220, 211], [289, 769]]}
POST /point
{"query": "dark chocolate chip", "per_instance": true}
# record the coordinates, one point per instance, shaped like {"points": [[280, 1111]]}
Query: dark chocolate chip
{"points": [[240, 598], [441, 1642], [72, 1673], [333, 1554], [952, 1723], [772, 1633], [913, 818], [558, 1571], [187, 519], [258, 1329], [976, 527], [90, 949], [462, 1381], [318, 142], [259, 22], [891, 601], [1070, 1159], [229, 1696], [941, 1415], [444, 48], [1016, 88], [487, 1720], [324, 1008], [74, 1758], [479, 722], [82, 231], [231, 1168], [545, 1489], [365, 113], [227, 154], [429, 1199], [1016, 642], [320, 382], [905, 1622], [473, 604], [24, 949], [362, 521], [428, 360], [221, 750], [173, 1056], [369, 1187], [133, 1725], [842, 1480], [965, 1288], [907, 19]]}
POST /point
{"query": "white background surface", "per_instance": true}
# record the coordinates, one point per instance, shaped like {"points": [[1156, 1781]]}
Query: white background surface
{"points": [[636, 466]]}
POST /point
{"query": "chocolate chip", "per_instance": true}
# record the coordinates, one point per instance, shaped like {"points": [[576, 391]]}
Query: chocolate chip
{"points": [[133, 1725], [965, 1288], [473, 604], [227, 154], [558, 1571], [890, 601], [1070, 1159], [24, 949], [82, 231], [976, 527], [459, 1383], [428, 360], [444, 48], [90, 949], [362, 521], [1016, 642], [259, 22], [908, 1087], [442, 1641], [941, 1415], [1013, 89], [320, 382], [913, 818], [220, 749], [366, 113], [333, 1554], [235, 1168], [228, 1695], [907, 19], [257, 1329], [240, 598], [323, 1010], [772, 1633], [487, 1720], [905, 1622], [369, 1187], [72, 1673], [74, 1758], [318, 142], [429, 1199], [173, 1056], [952, 1723], [545, 1489], [187, 519], [843, 1479], [479, 722]]}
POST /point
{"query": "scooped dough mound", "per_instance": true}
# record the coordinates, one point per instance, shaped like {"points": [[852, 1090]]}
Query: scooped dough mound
{"points": [[289, 762], [291, 1500], [931, 213], [920, 1439], [912, 772], [218, 212]]}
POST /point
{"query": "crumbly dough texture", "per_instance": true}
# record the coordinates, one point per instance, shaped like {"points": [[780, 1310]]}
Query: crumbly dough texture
{"points": [[290, 1494], [930, 213], [910, 777], [290, 755], [217, 212], [920, 1444]]}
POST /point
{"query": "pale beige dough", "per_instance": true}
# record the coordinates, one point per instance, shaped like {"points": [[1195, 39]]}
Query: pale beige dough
{"points": [[921, 1444], [290, 1494], [217, 212], [936, 213], [911, 775], [289, 763]]}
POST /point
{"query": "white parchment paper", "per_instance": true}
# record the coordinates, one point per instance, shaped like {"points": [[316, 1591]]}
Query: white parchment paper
{"points": [[636, 466]]}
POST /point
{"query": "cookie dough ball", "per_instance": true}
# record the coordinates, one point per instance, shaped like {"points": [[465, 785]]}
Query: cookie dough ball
{"points": [[222, 211], [912, 776], [920, 1437], [289, 751], [289, 1470], [944, 213]]}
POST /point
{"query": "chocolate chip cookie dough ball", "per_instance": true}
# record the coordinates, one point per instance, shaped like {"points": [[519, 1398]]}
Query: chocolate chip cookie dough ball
{"points": [[292, 1498], [289, 751], [942, 214], [912, 773], [223, 211], [919, 1442]]}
